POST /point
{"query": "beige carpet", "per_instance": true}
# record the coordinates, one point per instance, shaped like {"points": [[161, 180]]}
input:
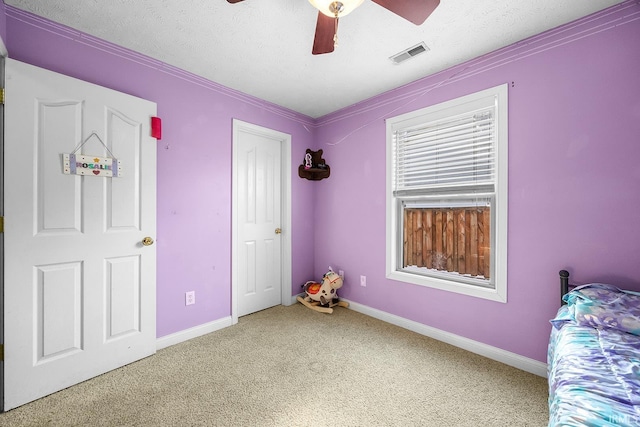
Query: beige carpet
{"points": [[290, 366]]}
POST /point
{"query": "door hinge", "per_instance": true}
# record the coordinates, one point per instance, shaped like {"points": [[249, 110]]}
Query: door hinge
{"points": [[1, 224], [2, 95], [1, 352]]}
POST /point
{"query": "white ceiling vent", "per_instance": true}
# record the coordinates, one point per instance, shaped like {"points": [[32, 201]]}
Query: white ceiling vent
{"points": [[409, 53]]}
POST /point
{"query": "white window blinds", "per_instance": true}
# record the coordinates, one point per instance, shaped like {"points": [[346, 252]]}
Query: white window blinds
{"points": [[454, 154]]}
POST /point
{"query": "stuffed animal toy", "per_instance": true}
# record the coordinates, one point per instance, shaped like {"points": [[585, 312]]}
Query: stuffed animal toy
{"points": [[323, 296]]}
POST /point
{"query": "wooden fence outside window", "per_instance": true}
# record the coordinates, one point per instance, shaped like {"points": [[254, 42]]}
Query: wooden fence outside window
{"points": [[449, 239]]}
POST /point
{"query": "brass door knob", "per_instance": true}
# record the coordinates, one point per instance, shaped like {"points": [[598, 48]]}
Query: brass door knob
{"points": [[278, 231], [147, 241]]}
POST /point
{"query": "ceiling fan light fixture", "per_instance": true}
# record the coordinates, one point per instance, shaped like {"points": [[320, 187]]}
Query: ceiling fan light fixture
{"points": [[334, 8]]}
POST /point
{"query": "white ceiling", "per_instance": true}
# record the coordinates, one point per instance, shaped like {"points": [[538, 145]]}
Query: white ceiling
{"points": [[263, 47]]}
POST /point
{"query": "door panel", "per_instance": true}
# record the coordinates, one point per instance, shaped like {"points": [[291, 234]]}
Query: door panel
{"points": [[123, 194], [58, 204], [79, 286], [58, 312], [123, 296]]}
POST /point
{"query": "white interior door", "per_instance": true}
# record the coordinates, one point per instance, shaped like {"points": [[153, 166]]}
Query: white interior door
{"points": [[258, 217], [79, 285]]}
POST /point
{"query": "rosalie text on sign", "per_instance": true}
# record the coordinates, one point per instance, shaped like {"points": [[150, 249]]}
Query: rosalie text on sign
{"points": [[78, 164]]}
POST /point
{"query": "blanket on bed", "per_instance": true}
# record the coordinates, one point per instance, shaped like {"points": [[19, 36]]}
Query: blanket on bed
{"points": [[594, 360]]}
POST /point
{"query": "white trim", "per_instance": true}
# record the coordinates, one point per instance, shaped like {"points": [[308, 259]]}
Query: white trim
{"points": [[120, 53], [294, 298], [286, 221], [195, 332], [508, 358], [498, 95], [3, 49], [285, 182]]}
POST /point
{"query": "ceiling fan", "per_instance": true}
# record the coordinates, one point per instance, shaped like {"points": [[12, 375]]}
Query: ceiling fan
{"points": [[329, 12]]}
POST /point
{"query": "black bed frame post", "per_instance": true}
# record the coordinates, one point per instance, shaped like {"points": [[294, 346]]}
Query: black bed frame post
{"points": [[564, 284]]}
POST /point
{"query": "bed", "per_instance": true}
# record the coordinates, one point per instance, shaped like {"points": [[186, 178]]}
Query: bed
{"points": [[594, 357]]}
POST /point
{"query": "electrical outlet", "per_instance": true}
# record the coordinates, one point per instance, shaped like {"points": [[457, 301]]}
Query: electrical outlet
{"points": [[341, 274], [190, 298], [363, 280]]}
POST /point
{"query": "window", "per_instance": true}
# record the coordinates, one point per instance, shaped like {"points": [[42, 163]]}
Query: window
{"points": [[447, 195]]}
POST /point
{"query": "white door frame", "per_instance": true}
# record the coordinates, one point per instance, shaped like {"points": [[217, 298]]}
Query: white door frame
{"points": [[285, 145], [3, 55]]}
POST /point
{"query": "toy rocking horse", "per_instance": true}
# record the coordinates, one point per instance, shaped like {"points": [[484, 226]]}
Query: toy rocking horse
{"points": [[323, 296]]}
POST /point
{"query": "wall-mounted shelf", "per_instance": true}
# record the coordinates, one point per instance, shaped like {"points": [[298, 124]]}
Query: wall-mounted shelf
{"points": [[313, 174], [314, 167]]}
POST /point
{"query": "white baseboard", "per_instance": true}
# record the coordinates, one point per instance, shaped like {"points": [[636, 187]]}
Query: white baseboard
{"points": [[292, 301], [196, 331], [508, 358], [294, 298]]}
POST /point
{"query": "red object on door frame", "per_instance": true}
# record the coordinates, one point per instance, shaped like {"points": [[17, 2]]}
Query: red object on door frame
{"points": [[156, 127]]}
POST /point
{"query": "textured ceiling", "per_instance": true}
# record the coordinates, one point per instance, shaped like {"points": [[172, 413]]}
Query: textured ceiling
{"points": [[263, 47]]}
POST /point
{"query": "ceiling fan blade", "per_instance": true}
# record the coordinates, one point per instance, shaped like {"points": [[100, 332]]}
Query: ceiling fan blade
{"points": [[234, 1], [325, 32], [416, 11]]}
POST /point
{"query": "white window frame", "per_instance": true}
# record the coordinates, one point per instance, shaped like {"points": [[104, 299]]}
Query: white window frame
{"points": [[498, 292]]}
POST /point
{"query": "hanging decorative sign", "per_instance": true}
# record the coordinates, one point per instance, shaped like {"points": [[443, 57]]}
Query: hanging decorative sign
{"points": [[80, 164]]}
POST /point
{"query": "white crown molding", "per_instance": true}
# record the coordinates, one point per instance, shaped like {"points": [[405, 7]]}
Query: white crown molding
{"points": [[146, 61]]}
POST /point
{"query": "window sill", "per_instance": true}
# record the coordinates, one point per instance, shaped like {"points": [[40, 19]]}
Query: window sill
{"points": [[447, 285]]}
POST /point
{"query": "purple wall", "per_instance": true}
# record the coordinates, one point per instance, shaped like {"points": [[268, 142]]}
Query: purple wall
{"points": [[194, 204], [3, 22], [574, 125], [574, 175]]}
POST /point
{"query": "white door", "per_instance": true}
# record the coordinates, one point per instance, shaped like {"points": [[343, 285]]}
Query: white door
{"points": [[258, 216], [79, 285]]}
